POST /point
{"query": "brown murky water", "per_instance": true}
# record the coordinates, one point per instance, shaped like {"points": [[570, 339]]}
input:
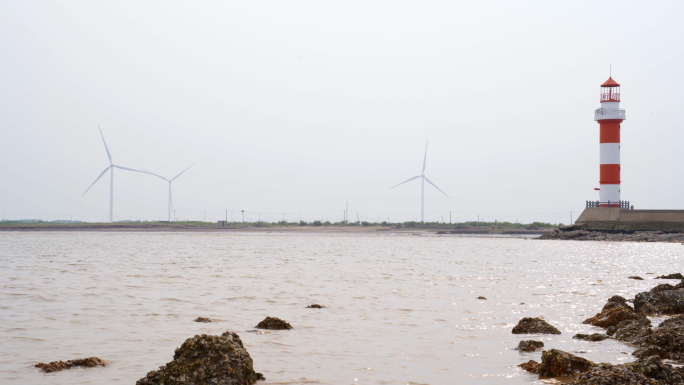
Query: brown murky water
{"points": [[401, 309]]}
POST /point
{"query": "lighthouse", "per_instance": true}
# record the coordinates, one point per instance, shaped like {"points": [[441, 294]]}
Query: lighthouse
{"points": [[609, 117]]}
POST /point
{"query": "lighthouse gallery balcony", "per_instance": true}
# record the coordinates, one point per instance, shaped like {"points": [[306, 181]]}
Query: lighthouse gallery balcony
{"points": [[604, 114]]}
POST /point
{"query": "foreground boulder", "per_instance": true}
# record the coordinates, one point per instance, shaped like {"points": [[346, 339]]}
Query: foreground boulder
{"points": [[56, 366], [207, 360], [660, 302], [630, 330], [557, 363], [666, 340], [273, 323], [614, 311], [529, 345], [653, 367], [608, 374], [530, 325]]}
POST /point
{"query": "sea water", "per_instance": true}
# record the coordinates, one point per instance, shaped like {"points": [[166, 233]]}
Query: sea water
{"points": [[399, 308]]}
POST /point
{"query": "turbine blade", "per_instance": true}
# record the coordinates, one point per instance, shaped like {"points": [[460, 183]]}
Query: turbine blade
{"points": [[415, 177], [151, 173], [425, 157], [182, 172], [435, 186], [98, 178], [105, 143], [126, 168]]}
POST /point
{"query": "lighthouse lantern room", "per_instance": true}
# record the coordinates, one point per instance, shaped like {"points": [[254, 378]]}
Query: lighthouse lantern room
{"points": [[609, 117]]}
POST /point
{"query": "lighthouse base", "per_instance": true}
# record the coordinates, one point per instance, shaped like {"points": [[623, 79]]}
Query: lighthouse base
{"points": [[615, 218]]}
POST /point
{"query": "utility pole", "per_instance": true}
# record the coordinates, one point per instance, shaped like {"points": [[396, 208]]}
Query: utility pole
{"points": [[442, 219], [243, 216], [346, 213], [226, 216], [449, 217]]}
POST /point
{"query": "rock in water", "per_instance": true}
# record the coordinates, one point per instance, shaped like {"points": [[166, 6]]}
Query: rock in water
{"points": [[315, 306], [660, 302], [636, 277], [612, 316], [671, 276], [608, 374], [481, 297], [530, 325], [273, 323], [666, 340], [531, 366], [56, 366], [653, 367], [202, 319], [207, 360], [590, 337], [529, 345], [662, 287], [557, 363], [631, 330]]}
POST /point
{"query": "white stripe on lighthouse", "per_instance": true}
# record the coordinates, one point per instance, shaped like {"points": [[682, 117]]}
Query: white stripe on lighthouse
{"points": [[609, 192], [610, 153]]}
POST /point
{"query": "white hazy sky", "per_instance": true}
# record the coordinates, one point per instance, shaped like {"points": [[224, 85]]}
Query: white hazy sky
{"points": [[299, 106]]}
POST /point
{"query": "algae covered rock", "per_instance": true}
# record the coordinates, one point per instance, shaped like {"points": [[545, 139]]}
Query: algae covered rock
{"points": [[671, 276], [666, 340], [595, 337], [608, 374], [660, 302], [612, 316], [653, 367], [529, 345], [662, 287], [529, 325], [557, 363], [202, 319], [207, 360], [530, 366], [56, 366], [273, 323], [631, 330]]}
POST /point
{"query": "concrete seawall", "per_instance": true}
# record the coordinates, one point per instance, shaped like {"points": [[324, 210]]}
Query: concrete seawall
{"points": [[614, 218]]}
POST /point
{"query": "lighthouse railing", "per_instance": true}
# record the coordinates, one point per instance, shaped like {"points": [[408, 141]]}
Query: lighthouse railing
{"points": [[621, 204]]}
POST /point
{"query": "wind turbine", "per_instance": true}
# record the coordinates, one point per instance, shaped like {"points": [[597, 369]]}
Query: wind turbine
{"points": [[169, 180], [422, 186], [110, 168]]}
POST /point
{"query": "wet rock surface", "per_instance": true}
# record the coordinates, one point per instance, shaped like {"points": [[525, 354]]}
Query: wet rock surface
{"points": [[662, 287], [671, 276], [613, 312], [530, 366], [666, 340], [660, 302], [608, 374], [273, 323], [631, 330], [56, 366], [529, 345], [595, 337], [557, 363], [636, 277], [653, 367], [202, 319], [315, 306], [529, 325], [205, 360], [577, 233]]}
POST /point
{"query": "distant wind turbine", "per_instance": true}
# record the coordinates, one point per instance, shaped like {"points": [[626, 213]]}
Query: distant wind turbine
{"points": [[422, 186], [169, 180], [110, 168]]}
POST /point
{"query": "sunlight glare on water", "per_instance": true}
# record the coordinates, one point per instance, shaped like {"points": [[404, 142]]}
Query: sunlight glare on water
{"points": [[400, 309]]}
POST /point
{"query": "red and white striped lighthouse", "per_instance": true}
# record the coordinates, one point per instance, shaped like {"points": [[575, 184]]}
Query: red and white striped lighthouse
{"points": [[609, 117]]}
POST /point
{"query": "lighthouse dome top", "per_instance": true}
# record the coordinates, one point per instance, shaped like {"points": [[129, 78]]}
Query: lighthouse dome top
{"points": [[610, 83]]}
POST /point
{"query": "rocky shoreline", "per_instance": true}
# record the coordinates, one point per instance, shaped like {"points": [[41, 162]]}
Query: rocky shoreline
{"points": [[626, 323], [582, 233]]}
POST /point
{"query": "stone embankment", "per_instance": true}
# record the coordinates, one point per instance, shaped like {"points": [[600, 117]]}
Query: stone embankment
{"points": [[629, 324], [581, 233]]}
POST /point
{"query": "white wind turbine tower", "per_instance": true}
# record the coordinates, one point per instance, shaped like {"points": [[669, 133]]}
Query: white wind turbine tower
{"points": [[110, 168], [169, 180], [422, 186]]}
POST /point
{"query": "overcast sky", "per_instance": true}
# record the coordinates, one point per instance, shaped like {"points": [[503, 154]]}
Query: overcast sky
{"points": [[295, 107]]}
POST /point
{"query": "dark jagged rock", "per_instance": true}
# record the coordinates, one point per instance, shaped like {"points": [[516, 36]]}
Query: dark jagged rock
{"points": [[654, 368], [529, 345], [680, 285], [56, 366], [207, 360], [315, 306], [631, 330], [557, 363], [615, 301], [481, 297], [531, 366], [273, 323], [662, 287], [608, 374], [671, 276], [530, 325], [202, 319], [612, 314], [666, 340], [636, 277], [661, 302], [591, 337]]}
